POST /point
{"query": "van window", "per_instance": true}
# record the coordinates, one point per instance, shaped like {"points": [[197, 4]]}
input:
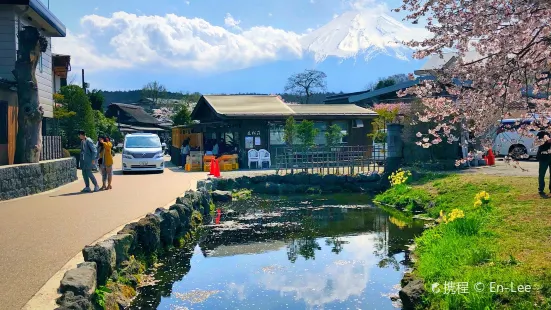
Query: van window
{"points": [[142, 142]]}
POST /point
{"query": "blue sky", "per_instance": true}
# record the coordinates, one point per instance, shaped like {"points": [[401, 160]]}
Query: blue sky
{"points": [[214, 46]]}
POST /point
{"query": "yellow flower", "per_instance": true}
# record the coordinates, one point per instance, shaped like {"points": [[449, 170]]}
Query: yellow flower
{"points": [[477, 203], [455, 214]]}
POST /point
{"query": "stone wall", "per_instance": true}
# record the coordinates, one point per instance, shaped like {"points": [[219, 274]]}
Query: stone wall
{"points": [[115, 263], [28, 179], [304, 183]]}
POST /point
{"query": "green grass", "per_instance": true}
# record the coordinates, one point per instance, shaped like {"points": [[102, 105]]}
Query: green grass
{"points": [[507, 242]]}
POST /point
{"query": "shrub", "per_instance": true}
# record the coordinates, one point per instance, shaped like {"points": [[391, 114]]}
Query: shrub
{"points": [[74, 152]]}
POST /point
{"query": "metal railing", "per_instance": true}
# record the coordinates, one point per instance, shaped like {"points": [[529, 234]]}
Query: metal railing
{"points": [[51, 148], [330, 160]]}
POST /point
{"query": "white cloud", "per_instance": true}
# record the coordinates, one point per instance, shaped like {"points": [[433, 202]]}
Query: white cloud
{"points": [[337, 282], [231, 22], [176, 42], [84, 54], [187, 2], [126, 40], [270, 14]]}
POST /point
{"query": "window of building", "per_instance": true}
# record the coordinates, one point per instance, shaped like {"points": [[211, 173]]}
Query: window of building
{"points": [[277, 134], [344, 130], [3, 122], [320, 137]]}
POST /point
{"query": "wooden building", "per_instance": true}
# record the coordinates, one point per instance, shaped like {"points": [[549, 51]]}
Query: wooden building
{"points": [[132, 119], [247, 122]]}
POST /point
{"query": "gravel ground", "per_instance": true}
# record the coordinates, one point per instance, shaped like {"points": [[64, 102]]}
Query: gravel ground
{"points": [[527, 168]]}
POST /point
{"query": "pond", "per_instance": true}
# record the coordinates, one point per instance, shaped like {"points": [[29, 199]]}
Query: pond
{"points": [[289, 253]]}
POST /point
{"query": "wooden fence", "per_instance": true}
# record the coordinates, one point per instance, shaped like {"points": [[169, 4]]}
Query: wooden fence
{"points": [[51, 148], [331, 160]]}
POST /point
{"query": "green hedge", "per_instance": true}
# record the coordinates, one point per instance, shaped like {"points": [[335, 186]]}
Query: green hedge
{"points": [[74, 152]]}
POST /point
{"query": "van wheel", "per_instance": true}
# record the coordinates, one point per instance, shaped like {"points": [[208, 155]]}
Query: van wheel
{"points": [[518, 152]]}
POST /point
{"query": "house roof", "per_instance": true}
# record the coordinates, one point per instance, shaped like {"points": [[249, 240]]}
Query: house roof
{"points": [[435, 62], [330, 109], [247, 105], [266, 106], [40, 14], [136, 112]]}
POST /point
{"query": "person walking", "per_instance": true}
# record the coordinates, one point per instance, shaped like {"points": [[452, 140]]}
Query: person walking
{"points": [[88, 153], [544, 159], [184, 152], [105, 161]]}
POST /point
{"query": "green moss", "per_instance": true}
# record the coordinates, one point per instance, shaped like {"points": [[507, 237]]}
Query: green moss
{"points": [[406, 198], [196, 219], [243, 194]]}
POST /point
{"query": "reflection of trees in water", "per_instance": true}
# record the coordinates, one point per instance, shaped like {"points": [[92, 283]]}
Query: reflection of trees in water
{"points": [[304, 243], [336, 243]]}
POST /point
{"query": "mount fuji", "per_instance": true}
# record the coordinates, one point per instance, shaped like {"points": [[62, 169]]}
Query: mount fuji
{"points": [[367, 33]]}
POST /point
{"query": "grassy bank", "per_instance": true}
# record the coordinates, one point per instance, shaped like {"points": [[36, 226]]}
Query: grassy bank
{"points": [[504, 241]]}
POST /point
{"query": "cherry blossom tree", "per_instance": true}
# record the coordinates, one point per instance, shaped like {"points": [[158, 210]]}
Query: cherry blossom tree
{"points": [[502, 65]]}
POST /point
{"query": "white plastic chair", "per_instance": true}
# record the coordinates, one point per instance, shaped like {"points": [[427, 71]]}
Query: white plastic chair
{"points": [[265, 158], [253, 157]]}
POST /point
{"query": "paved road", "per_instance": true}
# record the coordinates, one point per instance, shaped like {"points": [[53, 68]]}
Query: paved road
{"points": [[526, 168], [39, 234]]}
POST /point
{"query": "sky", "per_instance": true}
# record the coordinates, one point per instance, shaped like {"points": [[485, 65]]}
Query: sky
{"points": [[232, 46]]}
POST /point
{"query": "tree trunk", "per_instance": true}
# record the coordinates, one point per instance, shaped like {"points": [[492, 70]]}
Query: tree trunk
{"points": [[29, 133]]}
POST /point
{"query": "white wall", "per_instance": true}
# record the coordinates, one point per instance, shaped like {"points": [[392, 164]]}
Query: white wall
{"points": [[9, 27]]}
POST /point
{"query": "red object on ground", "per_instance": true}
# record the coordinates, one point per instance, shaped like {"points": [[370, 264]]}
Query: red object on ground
{"points": [[218, 216], [211, 172], [216, 169], [490, 159]]}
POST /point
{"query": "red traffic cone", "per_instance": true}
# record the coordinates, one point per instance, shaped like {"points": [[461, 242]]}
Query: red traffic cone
{"points": [[216, 169], [211, 172], [491, 158]]}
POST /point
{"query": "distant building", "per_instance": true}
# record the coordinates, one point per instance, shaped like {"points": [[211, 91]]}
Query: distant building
{"points": [[14, 15], [132, 118], [60, 68]]}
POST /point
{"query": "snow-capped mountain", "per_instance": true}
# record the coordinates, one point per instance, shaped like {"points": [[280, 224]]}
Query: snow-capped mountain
{"points": [[366, 33]]}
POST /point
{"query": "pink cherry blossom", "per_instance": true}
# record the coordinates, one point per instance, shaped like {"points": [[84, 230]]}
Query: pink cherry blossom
{"points": [[503, 48]]}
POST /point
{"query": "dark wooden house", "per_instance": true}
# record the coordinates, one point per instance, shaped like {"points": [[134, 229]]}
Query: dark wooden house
{"points": [[247, 122], [131, 118]]}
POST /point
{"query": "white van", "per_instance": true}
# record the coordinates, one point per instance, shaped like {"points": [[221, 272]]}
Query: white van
{"points": [[142, 152], [508, 142]]}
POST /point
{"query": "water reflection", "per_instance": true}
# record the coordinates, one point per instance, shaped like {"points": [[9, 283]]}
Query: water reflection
{"points": [[314, 257]]}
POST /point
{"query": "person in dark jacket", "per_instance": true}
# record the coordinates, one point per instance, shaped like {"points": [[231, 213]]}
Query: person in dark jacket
{"points": [[544, 159]]}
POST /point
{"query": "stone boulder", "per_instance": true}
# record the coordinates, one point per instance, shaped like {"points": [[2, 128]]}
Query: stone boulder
{"points": [[130, 229], [148, 233], [195, 199], [105, 257], [243, 182], [176, 217], [168, 226], [301, 178], [412, 294], [367, 178], [123, 246], [70, 301], [204, 185], [221, 196], [184, 213], [316, 179], [206, 201], [81, 280]]}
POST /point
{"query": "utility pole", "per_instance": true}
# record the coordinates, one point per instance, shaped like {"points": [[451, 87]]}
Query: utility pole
{"points": [[83, 83]]}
